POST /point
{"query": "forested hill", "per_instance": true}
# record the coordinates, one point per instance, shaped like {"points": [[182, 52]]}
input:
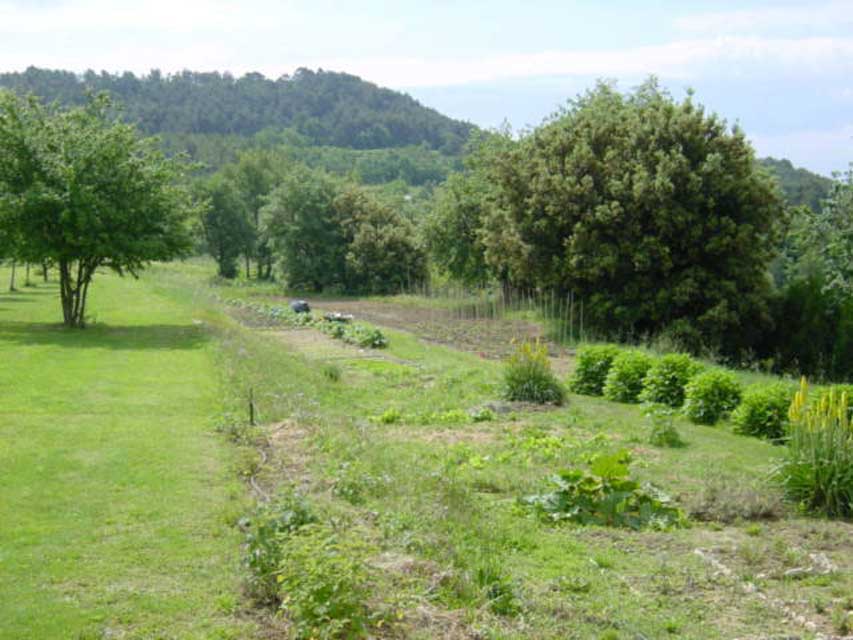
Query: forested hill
{"points": [[329, 108], [800, 186]]}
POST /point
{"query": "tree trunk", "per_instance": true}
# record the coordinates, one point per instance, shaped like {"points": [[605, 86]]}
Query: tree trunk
{"points": [[12, 279], [44, 270], [248, 270], [74, 289], [27, 282]]}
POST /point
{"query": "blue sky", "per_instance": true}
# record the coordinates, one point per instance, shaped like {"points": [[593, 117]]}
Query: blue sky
{"points": [[783, 70]]}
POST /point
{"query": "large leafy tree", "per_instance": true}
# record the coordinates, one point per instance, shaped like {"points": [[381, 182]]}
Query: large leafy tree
{"points": [[306, 230], [86, 192], [455, 226], [814, 305], [333, 234], [653, 211], [225, 226], [382, 254], [828, 235], [254, 176]]}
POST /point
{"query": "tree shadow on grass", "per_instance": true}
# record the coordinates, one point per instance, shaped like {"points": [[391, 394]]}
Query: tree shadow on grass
{"points": [[141, 337], [14, 298]]}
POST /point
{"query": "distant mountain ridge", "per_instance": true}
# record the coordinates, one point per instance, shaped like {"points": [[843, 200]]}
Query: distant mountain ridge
{"points": [[799, 185], [329, 108]]}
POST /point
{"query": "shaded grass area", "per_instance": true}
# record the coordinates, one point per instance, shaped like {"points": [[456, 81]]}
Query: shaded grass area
{"points": [[115, 496], [387, 450]]}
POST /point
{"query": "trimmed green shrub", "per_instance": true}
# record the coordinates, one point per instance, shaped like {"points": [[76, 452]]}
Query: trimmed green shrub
{"points": [[606, 495], [624, 382], [763, 411], [528, 376], [818, 469], [710, 396], [323, 582], [593, 365], [665, 381]]}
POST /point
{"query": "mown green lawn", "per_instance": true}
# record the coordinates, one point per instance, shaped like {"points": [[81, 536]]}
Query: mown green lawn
{"points": [[115, 493]]}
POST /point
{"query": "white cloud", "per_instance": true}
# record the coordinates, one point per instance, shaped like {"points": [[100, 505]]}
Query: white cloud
{"points": [[682, 60], [104, 16], [806, 16], [821, 150]]}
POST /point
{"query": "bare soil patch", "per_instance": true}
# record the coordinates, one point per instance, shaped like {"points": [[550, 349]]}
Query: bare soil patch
{"points": [[491, 338]]}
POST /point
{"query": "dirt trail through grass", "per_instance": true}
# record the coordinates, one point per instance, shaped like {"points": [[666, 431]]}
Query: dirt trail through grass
{"points": [[115, 495]]}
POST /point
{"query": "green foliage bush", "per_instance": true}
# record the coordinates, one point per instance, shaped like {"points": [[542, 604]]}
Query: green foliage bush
{"points": [[593, 365], [528, 376], [667, 377], [763, 411], [624, 381], [606, 495], [818, 469], [711, 395], [266, 532], [323, 582]]}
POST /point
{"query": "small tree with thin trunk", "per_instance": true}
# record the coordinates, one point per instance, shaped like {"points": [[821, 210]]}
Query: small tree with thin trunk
{"points": [[84, 191]]}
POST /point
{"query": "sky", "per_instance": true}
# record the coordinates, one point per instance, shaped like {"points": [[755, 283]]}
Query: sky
{"points": [[782, 70]]}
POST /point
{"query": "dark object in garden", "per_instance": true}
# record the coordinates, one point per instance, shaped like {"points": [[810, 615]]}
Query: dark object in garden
{"points": [[338, 317], [300, 306]]}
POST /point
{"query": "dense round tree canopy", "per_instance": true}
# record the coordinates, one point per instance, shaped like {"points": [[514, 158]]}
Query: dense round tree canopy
{"points": [[654, 212]]}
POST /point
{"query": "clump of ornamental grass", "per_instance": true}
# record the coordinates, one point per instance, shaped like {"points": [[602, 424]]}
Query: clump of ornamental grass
{"points": [[528, 376], [817, 471]]}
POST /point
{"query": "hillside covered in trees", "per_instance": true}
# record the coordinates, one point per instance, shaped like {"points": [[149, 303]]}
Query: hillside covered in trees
{"points": [[800, 186], [328, 108]]}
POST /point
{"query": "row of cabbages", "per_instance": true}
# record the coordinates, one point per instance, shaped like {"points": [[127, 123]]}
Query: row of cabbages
{"points": [[356, 333]]}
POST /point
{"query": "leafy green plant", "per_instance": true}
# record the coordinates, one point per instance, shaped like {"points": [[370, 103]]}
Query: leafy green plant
{"points": [[355, 484], [624, 381], [266, 532], [332, 372], [663, 432], [323, 582], [711, 395], [667, 377], [593, 365], [606, 495], [389, 416], [818, 469], [528, 376], [763, 411], [483, 414], [498, 589]]}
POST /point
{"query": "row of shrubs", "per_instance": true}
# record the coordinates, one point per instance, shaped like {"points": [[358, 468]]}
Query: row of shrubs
{"points": [[359, 334], [704, 395]]}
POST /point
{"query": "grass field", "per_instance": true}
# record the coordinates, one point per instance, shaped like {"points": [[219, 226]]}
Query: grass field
{"points": [[123, 498], [115, 494]]}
